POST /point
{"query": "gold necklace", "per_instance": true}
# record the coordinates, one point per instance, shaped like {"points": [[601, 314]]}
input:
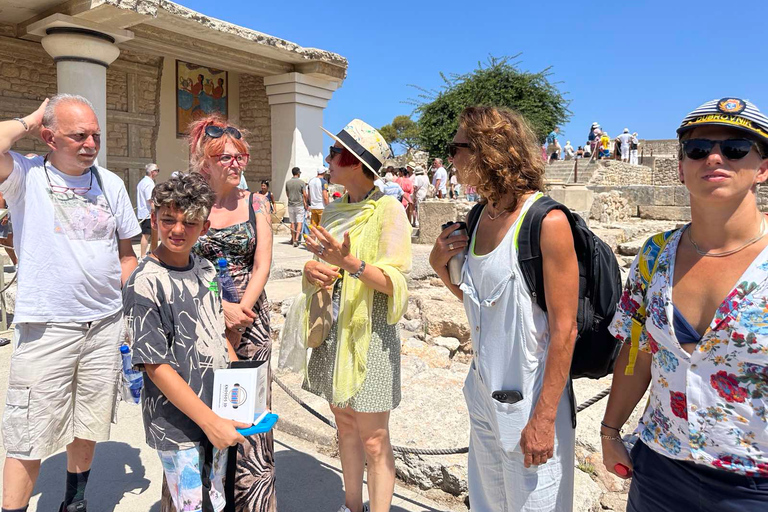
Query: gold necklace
{"points": [[746, 244], [494, 217]]}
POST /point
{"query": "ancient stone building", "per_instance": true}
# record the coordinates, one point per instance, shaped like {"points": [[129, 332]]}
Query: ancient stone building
{"points": [[122, 55]]}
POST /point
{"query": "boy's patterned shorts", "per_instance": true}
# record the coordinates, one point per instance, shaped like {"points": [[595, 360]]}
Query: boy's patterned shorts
{"points": [[182, 472]]}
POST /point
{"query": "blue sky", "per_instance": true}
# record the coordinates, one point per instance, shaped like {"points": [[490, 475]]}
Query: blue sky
{"points": [[640, 65]]}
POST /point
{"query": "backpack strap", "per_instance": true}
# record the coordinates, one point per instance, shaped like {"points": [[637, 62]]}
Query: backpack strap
{"points": [[473, 218], [646, 268], [251, 213], [528, 244]]}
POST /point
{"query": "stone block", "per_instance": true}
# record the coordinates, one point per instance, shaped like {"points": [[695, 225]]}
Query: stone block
{"points": [[432, 215], [664, 196], [682, 197], [665, 212], [575, 197]]}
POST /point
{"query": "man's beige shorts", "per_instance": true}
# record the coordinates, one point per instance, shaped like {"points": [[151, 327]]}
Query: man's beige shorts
{"points": [[63, 384]]}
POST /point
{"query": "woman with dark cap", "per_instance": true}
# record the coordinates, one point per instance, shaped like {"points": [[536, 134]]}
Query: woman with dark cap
{"points": [[694, 320], [356, 286]]}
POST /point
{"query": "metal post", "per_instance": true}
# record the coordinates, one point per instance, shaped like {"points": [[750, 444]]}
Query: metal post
{"points": [[576, 171]]}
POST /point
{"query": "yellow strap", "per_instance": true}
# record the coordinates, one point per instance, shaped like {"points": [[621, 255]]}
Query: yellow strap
{"points": [[638, 320]]}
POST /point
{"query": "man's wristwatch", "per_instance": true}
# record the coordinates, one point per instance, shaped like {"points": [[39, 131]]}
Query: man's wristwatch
{"points": [[26, 126], [360, 270]]}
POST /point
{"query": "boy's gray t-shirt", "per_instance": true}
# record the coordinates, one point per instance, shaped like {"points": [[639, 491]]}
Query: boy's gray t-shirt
{"points": [[174, 318], [294, 188]]}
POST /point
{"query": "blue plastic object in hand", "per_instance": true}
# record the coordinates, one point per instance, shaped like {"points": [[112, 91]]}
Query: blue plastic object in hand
{"points": [[265, 425], [228, 288]]}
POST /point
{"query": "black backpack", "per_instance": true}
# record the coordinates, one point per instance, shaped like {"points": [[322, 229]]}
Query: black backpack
{"points": [[599, 286]]}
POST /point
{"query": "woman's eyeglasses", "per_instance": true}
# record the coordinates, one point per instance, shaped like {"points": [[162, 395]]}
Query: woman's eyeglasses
{"points": [[453, 147], [215, 131], [732, 149], [80, 191], [227, 160], [334, 150]]}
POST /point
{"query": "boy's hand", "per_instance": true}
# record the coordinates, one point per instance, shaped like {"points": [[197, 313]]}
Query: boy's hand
{"points": [[222, 434]]}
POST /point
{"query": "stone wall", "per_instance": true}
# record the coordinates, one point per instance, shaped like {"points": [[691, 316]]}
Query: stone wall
{"points": [[615, 172], [659, 147], [255, 118], [665, 171]]}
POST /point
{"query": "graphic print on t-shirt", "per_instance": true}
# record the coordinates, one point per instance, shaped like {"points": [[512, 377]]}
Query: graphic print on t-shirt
{"points": [[82, 217]]}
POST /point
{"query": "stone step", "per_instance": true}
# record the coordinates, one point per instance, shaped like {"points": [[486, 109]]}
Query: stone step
{"points": [[665, 212]]}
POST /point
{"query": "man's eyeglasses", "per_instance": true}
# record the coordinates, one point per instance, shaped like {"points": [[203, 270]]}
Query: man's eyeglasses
{"points": [[80, 191], [227, 160], [334, 150], [215, 131], [453, 147], [732, 149]]}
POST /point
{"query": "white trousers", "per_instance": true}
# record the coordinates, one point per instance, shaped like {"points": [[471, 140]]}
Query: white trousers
{"points": [[497, 477], [633, 156], [625, 153]]}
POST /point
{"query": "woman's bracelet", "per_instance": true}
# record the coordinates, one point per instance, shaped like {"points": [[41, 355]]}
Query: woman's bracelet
{"points": [[602, 424], [610, 438]]}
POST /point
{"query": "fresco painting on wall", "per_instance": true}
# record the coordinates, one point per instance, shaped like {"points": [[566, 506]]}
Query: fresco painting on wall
{"points": [[200, 91]]}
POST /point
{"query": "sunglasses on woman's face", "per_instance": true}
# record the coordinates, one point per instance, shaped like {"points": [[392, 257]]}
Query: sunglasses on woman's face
{"points": [[214, 131], [334, 150], [732, 149], [453, 147]]}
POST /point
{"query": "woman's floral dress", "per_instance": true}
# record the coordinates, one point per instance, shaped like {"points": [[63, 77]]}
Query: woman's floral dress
{"points": [[708, 407]]}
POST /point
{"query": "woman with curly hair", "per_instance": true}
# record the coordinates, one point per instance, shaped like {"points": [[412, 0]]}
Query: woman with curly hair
{"points": [[241, 233], [521, 436], [693, 319]]}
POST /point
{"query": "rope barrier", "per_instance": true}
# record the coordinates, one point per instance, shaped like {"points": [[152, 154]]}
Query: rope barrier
{"points": [[405, 449]]}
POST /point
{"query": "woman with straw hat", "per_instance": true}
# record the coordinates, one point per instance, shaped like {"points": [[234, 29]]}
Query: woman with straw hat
{"points": [[355, 290]]}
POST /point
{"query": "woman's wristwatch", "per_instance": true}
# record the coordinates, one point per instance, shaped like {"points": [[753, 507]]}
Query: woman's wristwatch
{"points": [[360, 270]]}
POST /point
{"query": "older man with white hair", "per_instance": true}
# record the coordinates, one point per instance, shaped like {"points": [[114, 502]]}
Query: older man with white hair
{"points": [[144, 206], [74, 222]]}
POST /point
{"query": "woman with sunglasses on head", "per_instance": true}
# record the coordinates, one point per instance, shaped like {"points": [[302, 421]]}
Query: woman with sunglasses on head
{"points": [[694, 320], [357, 283], [241, 233], [521, 436]]}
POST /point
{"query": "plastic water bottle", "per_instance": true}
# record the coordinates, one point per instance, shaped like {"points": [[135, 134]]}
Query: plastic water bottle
{"points": [[132, 379], [228, 288]]}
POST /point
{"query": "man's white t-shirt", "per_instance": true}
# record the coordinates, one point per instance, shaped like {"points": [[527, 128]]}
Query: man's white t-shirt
{"points": [[625, 139], [442, 175], [69, 269], [143, 193], [421, 184], [315, 187]]}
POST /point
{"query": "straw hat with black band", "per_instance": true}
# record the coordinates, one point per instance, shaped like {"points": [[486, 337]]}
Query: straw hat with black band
{"points": [[734, 113], [365, 142]]}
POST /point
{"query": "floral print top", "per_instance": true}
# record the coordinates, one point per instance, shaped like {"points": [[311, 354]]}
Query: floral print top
{"points": [[708, 407]]}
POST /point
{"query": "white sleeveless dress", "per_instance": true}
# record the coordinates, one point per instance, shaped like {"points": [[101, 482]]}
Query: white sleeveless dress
{"points": [[510, 338]]}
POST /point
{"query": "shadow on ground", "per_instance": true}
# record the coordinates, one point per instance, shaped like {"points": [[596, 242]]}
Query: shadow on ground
{"points": [[116, 471], [306, 483]]}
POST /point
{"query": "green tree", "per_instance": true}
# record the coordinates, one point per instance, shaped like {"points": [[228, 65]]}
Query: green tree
{"points": [[499, 83], [402, 130]]}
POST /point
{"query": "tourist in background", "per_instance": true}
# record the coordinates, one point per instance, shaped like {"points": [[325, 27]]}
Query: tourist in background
{"points": [[633, 145], [521, 455], [406, 183], [595, 144], [144, 206], [439, 178], [392, 188], [553, 147], [268, 195], [296, 190], [568, 150], [605, 145], [421, 188], [240, 232], [318, 196], [358, 281], [579, 153], [625, 140], [703, 347]]}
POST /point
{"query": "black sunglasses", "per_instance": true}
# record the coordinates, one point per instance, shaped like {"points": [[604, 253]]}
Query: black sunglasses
{"points": [[334, 150], [214, 131], [453, 147], [732, 149]]}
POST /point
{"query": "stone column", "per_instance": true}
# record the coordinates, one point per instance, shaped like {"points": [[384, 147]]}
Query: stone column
{"points": [[296, 102], [82, 52]]}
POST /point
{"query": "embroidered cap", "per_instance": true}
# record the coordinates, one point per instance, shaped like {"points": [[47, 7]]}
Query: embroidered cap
{"points": [[365, 142], [733, 112]]}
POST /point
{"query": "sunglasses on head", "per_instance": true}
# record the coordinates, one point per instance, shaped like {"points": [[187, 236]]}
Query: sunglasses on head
{"points": [[215, 131], [453, 147], [732, 149]]}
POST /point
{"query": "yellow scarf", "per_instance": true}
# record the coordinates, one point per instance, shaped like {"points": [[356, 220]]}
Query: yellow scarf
{"points": [[380, 235]]}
